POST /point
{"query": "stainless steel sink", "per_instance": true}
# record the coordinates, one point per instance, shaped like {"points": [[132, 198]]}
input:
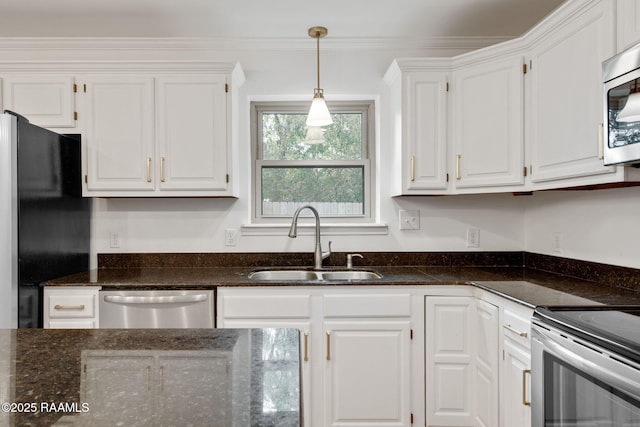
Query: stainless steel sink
{"points": [[350, 275], [283, 275], [307, 275]]}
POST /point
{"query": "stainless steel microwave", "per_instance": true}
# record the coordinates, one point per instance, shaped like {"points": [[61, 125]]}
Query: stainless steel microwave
{"points": [[621, 75]]}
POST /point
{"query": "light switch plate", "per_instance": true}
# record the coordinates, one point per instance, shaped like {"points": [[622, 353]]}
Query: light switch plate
{"points": [[409, 220]]}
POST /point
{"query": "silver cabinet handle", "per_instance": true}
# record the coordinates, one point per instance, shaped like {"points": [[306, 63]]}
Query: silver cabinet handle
{"points": [[458, 177], [68, 307], [515, 331], [161, 169], [171, 299]]}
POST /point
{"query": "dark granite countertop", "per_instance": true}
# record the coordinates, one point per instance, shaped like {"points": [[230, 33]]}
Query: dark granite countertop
{"points": [[505, 281], [133, 376]]}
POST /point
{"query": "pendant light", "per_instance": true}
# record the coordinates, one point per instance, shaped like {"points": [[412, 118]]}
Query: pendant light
{"points": [[318, 113], [631, 110]]}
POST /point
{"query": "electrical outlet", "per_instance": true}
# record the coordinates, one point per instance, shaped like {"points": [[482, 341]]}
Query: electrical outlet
{"points": [[230, 237], [409, 220], [114, 239], [557, 242], [473, 237]]}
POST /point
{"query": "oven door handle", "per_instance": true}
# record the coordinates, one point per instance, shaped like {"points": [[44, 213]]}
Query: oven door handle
{"points": [[170, 299], [599, 368]]}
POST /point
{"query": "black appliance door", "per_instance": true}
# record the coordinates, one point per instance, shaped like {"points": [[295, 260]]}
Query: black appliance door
{"points": [[53, 217]]}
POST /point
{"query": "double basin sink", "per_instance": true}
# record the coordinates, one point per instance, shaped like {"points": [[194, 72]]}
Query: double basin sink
{"points": [[313, 275]]}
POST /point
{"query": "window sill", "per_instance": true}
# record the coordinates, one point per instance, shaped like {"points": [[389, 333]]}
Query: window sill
{"points": [[309, 229]]}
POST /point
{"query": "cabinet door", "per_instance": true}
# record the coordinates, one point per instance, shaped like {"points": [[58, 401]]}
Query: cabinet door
{"points": [[119, 137], [424, 108], [449, 360], [206, 374], [125, 381], [46, 100], [628, 23], [566, 97], [515, 402], [488, 130], [367, 373], [486, 367], [192, 133]]}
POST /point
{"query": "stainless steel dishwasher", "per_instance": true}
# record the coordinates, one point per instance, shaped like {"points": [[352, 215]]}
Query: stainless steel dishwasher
{"points": [[156, 309]]}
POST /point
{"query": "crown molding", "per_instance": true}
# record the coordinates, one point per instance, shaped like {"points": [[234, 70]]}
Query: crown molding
{"points": [[239, 44]]}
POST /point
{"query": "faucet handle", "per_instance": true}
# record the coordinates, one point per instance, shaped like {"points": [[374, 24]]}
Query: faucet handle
{"points": [[327, 253], [350, 259]]}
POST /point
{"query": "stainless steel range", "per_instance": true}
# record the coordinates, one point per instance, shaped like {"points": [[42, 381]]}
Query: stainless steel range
{"points": [[586, 367]]}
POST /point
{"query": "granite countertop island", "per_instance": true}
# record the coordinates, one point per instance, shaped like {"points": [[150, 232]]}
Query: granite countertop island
{"points": [[214, 377]]}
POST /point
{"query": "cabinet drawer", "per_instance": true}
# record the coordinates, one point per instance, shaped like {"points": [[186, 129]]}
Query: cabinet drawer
{"points": [[381, 305], [72, 324], [265, 306], [71, 306], [517, 325]]}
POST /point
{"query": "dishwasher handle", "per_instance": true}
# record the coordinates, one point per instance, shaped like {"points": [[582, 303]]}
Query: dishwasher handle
{"points": [[167, 299]]}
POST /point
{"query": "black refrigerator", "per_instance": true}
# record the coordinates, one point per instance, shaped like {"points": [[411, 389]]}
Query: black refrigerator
{"points": [[44, 220]]}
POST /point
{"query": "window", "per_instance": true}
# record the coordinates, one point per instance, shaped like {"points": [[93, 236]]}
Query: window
{"points": [[329, 169]]}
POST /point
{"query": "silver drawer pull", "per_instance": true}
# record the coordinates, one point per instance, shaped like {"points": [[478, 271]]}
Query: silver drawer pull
{"points": [[68, 307], [172, 299], [515, 331]]}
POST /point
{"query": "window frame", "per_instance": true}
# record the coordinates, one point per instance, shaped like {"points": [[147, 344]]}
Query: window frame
{"points": [[364, 107]]}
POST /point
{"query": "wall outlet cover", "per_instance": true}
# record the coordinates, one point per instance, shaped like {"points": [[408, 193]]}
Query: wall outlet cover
{"points": [[409, 220]]}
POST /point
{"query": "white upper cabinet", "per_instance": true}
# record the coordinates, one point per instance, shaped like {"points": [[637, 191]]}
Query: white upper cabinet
{"points": [[418, 122], [45, 100], [523, 115], [565, 107], [487, 119], [162, 135], [119, 137], [628, 23], [192, 133]]}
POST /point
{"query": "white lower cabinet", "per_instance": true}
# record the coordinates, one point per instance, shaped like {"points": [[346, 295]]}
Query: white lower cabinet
{"points": [[70, 307], [356, 347], [461, 356], [477, 361], [382, 356], [274, 308], [515, 404]]}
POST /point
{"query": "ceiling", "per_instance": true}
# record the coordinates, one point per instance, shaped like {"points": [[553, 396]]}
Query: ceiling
{"points": [[277, 19]]}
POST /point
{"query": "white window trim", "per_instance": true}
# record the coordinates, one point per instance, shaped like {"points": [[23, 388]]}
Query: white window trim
{"points": [[360, 225]]}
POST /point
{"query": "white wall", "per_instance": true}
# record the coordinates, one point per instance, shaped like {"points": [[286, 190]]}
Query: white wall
{"points": [[197, 225], [599, 226], [595, 226]]}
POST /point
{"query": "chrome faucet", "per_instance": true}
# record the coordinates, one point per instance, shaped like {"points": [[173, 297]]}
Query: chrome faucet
{"points": [[318, 255]]}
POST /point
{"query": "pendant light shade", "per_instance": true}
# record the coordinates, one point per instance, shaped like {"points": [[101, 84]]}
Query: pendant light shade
{"points": [[315, 135], [631, 110], [318, 113]]}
